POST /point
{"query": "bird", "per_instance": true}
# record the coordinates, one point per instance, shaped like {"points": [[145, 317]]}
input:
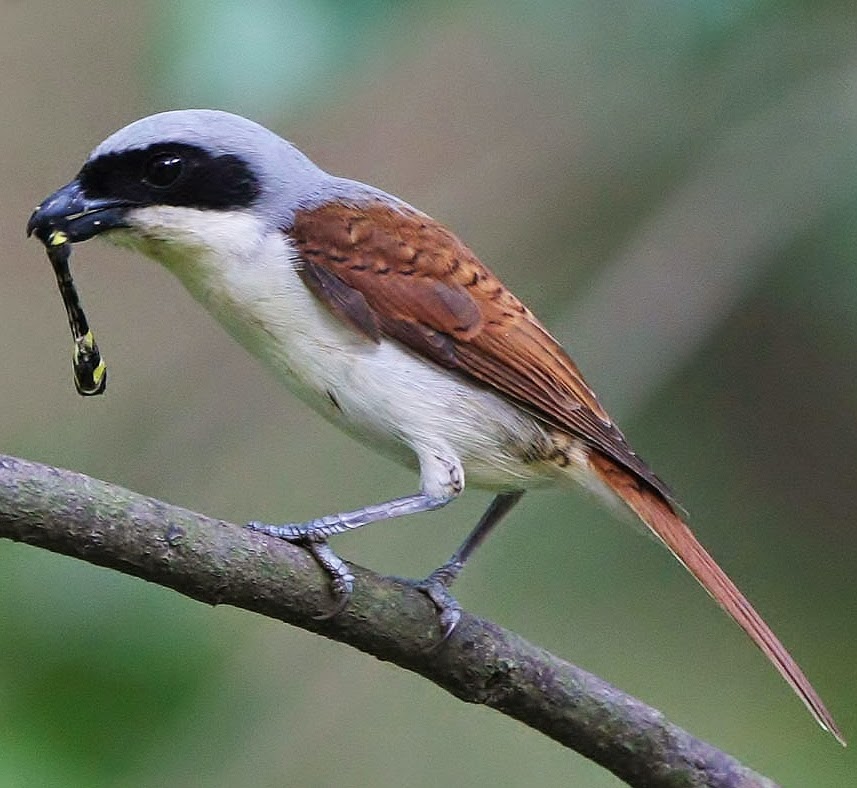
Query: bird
{"points": [[388, 325]]}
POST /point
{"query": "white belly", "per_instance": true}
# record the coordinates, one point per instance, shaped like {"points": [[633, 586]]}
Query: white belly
{"points": [[379, 392]]}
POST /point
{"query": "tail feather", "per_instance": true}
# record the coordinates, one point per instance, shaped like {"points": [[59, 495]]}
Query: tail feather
{"points": [[658, 514]]}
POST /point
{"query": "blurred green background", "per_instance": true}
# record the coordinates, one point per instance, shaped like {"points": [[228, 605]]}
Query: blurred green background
{"points": [[670, 185]]}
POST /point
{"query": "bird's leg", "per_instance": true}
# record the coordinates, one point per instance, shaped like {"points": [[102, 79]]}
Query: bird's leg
{"points": [[496, 511], [442, 481], [436, 585], [313, 535]]}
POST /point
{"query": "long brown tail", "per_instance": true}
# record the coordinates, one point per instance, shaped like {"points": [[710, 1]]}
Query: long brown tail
{"points": [[664, 523]]}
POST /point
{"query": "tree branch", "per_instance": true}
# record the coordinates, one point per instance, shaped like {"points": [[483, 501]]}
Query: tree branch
{"points": [[219, 563]]}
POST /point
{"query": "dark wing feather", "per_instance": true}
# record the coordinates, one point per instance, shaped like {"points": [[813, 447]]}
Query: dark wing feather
{"points": [[396, 270]]}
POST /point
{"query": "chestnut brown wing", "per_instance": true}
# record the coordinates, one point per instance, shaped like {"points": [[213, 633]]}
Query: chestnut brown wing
{"points": [[394, 271]]}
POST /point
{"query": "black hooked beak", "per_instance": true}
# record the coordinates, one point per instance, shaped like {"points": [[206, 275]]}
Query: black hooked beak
{"points": [[70, 211]]}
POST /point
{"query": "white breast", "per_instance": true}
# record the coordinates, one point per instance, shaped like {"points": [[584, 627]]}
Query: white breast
{"points": [[380, 392]]}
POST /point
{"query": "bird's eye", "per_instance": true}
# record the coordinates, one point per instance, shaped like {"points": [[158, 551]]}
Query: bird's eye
{"points": [[163, 170]]}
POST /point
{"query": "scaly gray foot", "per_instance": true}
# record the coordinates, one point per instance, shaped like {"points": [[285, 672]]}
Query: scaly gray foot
{"points": [[436, 587], [341, 579]]}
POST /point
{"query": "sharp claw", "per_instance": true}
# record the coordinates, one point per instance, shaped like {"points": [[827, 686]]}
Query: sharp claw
{"points": [[288, 533], [342, 601], [449, 618], [341, 587], [448, 608], [341, 579]]}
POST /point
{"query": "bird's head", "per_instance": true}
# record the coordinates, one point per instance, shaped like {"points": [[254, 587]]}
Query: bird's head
{"points": [[183, 179]]}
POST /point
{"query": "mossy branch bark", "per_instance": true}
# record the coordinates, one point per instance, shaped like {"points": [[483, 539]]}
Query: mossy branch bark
{"points": [[220, 563]]}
